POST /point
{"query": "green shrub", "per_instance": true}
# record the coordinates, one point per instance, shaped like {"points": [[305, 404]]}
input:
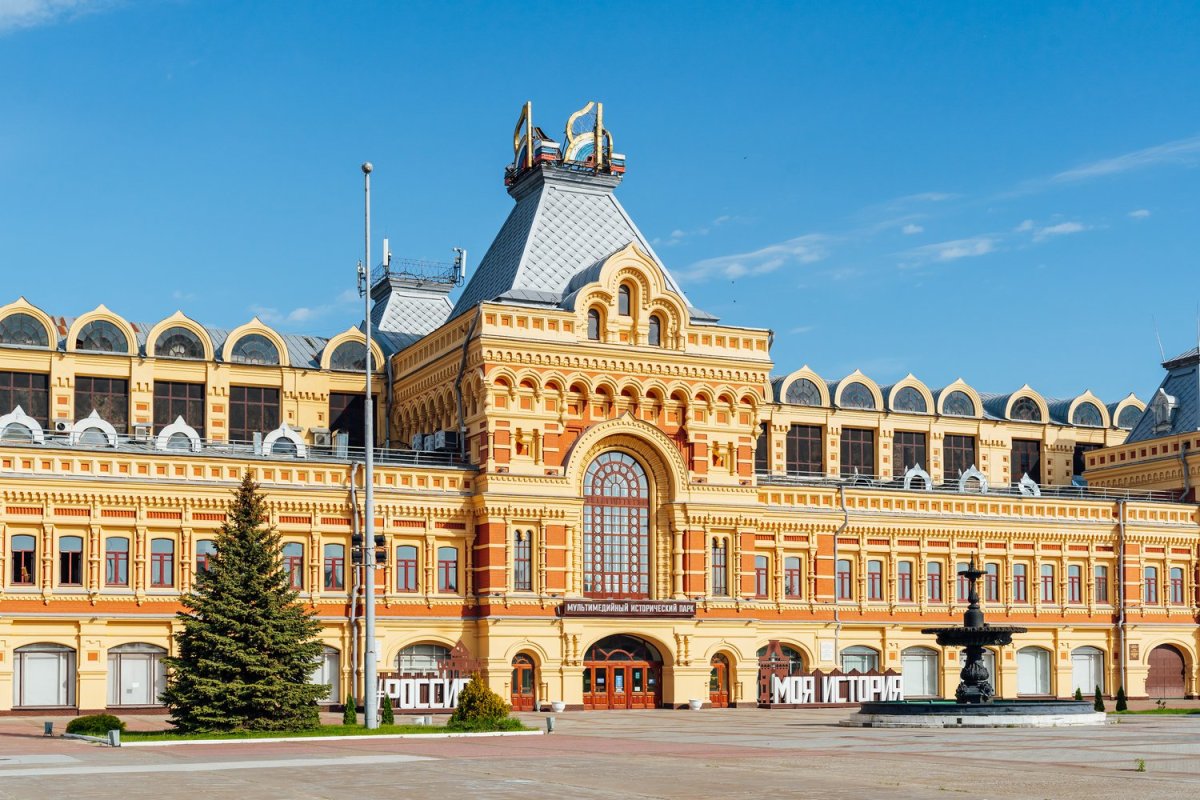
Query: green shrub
{"points": [[486, 726], [1122, 705], [95, 725], [1078, 694], [1098, 703], [386, 715], [478, 706], [350, 715]]}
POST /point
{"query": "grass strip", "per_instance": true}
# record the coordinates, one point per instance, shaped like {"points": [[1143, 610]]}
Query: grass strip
{"points": [[323, 730]]}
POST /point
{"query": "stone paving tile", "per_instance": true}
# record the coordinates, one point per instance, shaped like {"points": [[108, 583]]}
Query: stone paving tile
{"points": [[731, 754]]}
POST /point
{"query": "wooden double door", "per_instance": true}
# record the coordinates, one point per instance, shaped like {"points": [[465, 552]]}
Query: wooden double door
{"points": [[524, 673], [621, 684], [1167, 676]]}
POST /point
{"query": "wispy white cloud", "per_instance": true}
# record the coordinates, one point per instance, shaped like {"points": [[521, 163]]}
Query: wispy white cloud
{"points": [[802, 329], [798, 250], [952, 250], [19, 14], [679, 235], [1141, 213], [1026, 225], [911, 229], [925, 197], [1180, 151], [1059, 229], [302, 314]]}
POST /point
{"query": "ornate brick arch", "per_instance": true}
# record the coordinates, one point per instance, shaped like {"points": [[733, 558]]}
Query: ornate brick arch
{"points": [[652, 447]]}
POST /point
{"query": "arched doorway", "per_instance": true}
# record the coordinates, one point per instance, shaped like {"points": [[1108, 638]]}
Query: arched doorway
{"points": [[622, 672], [1166, 678], [616, 527], [524, 674], [718, 681], [136, 674]]}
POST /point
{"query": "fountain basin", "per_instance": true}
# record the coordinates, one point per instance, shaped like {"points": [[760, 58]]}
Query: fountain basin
{"points": [[996, 714]]}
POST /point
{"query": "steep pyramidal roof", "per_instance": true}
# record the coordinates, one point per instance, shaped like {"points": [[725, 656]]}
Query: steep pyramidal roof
{"points": [[1181, 394], [565, 222]]}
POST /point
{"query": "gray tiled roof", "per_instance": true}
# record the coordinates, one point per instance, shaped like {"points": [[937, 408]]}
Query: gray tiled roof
{"points": [[408, 309], [1182, 383], [564, 226]]}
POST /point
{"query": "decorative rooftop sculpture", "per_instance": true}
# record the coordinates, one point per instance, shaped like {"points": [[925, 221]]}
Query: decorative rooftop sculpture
{"points": [[589, 144]]}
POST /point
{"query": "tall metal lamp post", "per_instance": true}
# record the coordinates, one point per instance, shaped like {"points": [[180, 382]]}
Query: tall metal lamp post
{"points": [[371, 667]]}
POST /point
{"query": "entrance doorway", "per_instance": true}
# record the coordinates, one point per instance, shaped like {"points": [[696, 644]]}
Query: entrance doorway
{"points": [[523, 674], [622, 672], [1166, 678], [718, 682]]}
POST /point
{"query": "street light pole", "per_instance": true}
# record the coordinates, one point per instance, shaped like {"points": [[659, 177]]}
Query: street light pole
{"points": [[371, 678]]}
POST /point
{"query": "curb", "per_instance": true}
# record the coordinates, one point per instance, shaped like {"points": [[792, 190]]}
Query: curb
{"points": [[278, 739]]}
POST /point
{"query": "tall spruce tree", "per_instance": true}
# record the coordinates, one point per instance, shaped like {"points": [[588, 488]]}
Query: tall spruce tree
{"points": [[247, 646]]}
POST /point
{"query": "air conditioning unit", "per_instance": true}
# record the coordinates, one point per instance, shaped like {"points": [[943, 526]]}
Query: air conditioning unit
{"points": [[321, 437], [258, 443], [417, 442], [427, 444], [446, 441], [341, 444], [141, 433], [62, 425]]}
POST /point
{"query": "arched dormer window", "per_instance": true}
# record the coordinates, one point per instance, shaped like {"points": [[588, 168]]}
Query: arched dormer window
{"points": [[179, 342], [101, 336], [907, 399], [857, 395], [958, 404], [254, 348], [23, 330], [654, 337], [623, 300], [1087, 415], [593, 325], [349, 357], [803, 392], [1129, 417], [1025, 409]]}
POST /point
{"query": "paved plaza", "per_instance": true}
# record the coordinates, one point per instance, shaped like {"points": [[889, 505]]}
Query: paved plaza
{"points": [[714, 753]]}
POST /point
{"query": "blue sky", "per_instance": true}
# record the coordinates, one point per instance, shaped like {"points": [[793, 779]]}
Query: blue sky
{"points": [[1003, 192]]}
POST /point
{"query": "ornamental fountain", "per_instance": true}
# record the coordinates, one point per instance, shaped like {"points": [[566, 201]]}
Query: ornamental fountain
{"points": [[974, 705]]}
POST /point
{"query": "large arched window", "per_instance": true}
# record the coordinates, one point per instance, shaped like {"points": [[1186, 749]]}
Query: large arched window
{"points": [[907, 399], [101, 336], [803, 392], [958, 404], [794, 657], [422, 659], [1086, 414], [919, 666], [861, 658], [349, 357], [1033, 671], [857, 395], [136, 674], [1026, 410], [328, 671], [254, 348], [23, 330], [44, 676], [178, 342], [616, 522]]}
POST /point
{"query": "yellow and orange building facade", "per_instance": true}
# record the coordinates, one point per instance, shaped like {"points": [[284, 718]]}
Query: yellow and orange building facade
{"points": [[629, 499]]}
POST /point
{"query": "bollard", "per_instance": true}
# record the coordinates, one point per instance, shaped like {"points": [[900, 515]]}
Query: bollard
{"points": [[47, 729], [549, 724], [114, 738]]}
